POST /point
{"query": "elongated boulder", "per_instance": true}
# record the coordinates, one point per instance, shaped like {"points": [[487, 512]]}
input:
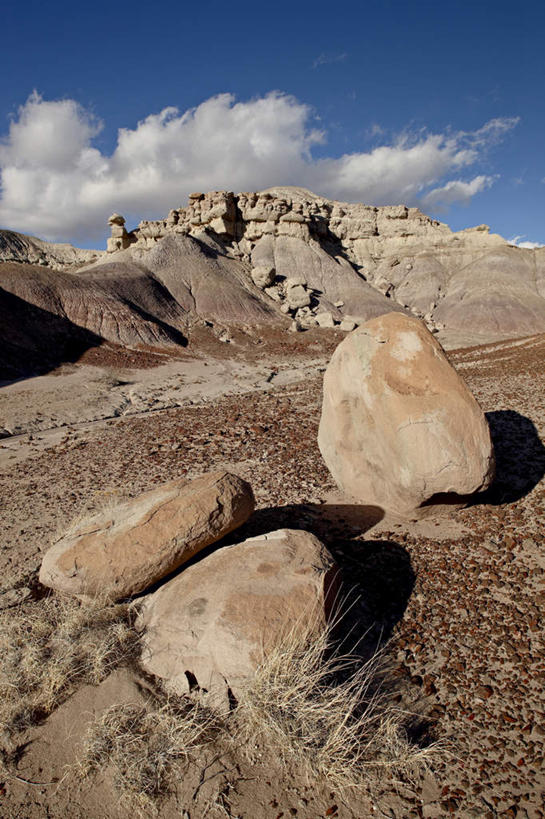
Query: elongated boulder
{"points": [[213, 623], [399, 427], [123, 550]]}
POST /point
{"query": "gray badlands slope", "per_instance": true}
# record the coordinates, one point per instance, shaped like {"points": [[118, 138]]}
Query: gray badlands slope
{"points": [[261, 259]]}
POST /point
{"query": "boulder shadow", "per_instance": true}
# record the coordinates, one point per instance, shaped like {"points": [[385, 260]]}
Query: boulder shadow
{"points": [[376, 577], [377, 580], [520, 458], [329, 522]]}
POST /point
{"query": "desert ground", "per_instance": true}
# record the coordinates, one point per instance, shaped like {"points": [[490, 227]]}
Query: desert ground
{"points": [[456, 600]]}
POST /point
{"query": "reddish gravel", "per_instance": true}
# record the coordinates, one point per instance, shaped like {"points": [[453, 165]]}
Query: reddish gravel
{"points": [[466, 612]]}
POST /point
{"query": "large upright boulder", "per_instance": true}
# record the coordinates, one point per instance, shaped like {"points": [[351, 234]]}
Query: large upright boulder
{"points": [[399, 427], [213, 623], [123, 550]]}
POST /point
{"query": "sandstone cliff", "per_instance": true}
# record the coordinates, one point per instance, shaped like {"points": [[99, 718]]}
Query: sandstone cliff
{"points": [[359, 260], [285, 258]]}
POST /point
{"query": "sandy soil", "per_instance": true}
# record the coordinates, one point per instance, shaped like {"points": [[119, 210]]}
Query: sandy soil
{"points": [[461, 596]]}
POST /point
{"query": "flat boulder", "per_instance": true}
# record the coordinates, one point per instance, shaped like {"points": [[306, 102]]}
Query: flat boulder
{"points": [[211, 625], [124, 550], [399, 427]]}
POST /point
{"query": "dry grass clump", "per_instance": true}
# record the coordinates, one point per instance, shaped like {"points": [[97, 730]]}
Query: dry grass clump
{"points": [[142, 746], [50, 647], [335, 714], [309, 706]]}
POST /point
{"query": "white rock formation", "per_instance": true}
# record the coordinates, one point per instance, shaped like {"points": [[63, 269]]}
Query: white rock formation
{"points": [[16, 247], [325, 320], [263, 277], [364, 261], [120, 239]]}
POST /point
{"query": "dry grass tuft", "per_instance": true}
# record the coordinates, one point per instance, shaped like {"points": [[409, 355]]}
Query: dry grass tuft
{"points": [[51, 647], [309, 705], [337, 715], [143, 747]]}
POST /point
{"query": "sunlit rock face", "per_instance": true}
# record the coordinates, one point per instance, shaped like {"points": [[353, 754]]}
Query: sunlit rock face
{"points": [[399, 427], [373, 259]]}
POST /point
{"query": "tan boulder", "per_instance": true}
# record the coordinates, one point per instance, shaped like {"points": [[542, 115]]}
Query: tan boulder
{"points": [[123, 550], [212, 624], [263, 276], [399, 426], [325, 320], [297, 296]]}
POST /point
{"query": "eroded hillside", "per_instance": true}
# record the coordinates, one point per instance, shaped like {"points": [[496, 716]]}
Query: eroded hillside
{"points": [[282, 258]]}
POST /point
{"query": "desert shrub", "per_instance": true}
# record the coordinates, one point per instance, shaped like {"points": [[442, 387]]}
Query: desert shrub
{"points": [[50, 647], [143, 746], [337, 715], [308, 705]]}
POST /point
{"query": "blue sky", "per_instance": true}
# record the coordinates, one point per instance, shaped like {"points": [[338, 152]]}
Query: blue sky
{"points": [[437, 104]]}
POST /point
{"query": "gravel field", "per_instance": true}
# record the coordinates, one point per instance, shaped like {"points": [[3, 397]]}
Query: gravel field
{"points": [[462, 597]]}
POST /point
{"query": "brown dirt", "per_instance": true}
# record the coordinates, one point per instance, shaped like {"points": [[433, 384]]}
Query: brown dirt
{"points": [[462, 596]]}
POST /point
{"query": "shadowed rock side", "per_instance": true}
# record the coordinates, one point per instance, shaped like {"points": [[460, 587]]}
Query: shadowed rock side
{"points": [[130, 307], [34, 340]]}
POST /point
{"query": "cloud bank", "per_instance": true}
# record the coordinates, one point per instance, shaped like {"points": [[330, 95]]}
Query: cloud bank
{"points": [[57, 184]]}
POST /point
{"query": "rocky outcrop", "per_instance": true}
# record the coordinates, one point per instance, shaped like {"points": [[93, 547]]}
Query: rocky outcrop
{"points": [[124, 550], [373, 259], [399, 427], [119, 239], [286, 258], [213, 624]]}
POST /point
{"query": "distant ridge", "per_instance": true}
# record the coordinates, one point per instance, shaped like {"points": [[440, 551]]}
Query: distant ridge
{"points": [[283, 258]]}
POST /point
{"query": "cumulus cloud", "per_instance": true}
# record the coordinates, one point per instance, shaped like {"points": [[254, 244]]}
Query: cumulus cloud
{"points": [[57, 184], [456, 191]]}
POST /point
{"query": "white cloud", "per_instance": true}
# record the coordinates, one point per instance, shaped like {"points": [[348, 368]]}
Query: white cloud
{"points": [[328, 59], [375, 130], [516, 240], [492, 131], [55, 183], [456, 191]]}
